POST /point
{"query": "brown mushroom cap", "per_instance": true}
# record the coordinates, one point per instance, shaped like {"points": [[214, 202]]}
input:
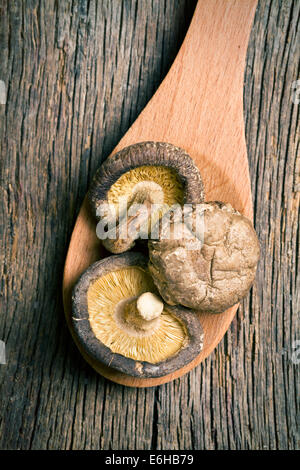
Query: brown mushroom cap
{"points": [[168, 159], [87, 313], [209, 273]]}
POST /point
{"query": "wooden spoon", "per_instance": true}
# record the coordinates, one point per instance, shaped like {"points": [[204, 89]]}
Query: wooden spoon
{"points": [[199, 107]]}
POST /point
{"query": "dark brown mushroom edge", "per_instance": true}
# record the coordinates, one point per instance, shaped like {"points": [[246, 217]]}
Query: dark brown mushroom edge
{"points": [[209, 267], [121, 322], [155, 175]]}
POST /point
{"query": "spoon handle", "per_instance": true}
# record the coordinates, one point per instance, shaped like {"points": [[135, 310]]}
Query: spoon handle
{"points": [[199, 105]]}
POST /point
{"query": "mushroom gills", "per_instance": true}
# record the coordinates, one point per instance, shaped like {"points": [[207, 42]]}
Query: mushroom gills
{"points": [[156, 184], [157, 187], [117, 302]]}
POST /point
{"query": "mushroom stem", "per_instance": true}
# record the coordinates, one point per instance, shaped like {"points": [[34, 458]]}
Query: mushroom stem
{"points": [[144, 312], [149, 306]]}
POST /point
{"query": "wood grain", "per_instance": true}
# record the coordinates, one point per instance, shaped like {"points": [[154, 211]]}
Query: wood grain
{"points": [[77, 75], [198, 107]]}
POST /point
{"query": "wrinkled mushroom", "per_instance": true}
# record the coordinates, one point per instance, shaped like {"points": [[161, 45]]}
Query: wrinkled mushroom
{"points": [[121, 322], [210, 267], [136, 186]]}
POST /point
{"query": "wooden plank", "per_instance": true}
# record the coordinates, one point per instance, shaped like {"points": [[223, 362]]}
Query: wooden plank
{"points": [[77, 75]]}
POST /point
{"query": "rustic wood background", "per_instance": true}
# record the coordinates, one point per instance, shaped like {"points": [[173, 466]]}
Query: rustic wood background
{"points": [[77, 75]]}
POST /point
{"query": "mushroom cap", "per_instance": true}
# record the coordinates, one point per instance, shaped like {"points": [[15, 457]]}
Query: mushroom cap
{"points": [[86, 333], [210, 269], [143, 155]]}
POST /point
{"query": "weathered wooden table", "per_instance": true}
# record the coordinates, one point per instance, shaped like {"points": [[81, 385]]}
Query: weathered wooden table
{"points": [[77, 74]]}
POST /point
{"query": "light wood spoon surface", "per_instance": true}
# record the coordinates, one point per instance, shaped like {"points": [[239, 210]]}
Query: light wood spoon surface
{"points": [[199, 107]]}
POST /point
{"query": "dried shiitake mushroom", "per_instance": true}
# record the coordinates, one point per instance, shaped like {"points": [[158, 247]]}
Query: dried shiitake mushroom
{"points": [[148, 174], [210, 268], [121, 322]]}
